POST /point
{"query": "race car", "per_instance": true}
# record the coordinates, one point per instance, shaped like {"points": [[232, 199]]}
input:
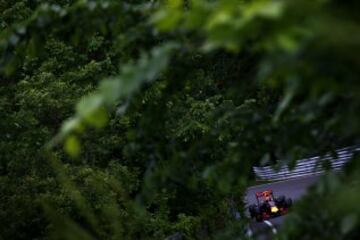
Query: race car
{"points": [[268, 206]]}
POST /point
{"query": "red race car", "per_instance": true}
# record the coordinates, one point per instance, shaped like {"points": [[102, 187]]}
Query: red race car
{"points": [[268, 206]]}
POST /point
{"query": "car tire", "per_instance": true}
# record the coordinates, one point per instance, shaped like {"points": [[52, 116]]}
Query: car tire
{"points": [[288, 202], [253, 210], [259, 217], [280, 200]]}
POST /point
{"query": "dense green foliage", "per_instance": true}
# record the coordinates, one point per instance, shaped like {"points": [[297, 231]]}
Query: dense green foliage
{"points": [[175, 101]]}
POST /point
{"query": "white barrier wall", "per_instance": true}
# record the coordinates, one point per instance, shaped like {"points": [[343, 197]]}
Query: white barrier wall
{"points": [[305, 167]]}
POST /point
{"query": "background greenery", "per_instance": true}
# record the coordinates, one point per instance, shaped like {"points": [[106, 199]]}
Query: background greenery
{"points": [[175, 101]]}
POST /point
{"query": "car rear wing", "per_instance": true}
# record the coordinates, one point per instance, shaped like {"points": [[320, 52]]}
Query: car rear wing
{"points": [[264, 193]]}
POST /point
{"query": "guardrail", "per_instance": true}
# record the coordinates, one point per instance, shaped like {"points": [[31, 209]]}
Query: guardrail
{"points": [[305, 167]]}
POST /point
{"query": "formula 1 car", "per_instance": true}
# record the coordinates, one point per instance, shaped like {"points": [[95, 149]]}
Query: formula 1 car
{"points": [[268, 206]]}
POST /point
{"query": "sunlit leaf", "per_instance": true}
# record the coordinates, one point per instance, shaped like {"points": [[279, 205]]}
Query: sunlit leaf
{"points": [[72, 146], [97, 118]]}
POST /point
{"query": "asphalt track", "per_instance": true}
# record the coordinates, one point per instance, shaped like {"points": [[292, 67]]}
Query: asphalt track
{"points": [[294, 188]]}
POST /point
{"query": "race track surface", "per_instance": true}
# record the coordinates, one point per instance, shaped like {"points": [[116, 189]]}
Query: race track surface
{"points": [[294, 189]]}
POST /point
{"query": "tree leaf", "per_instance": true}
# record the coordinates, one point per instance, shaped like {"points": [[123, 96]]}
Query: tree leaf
{"points": [[72, 146]]}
